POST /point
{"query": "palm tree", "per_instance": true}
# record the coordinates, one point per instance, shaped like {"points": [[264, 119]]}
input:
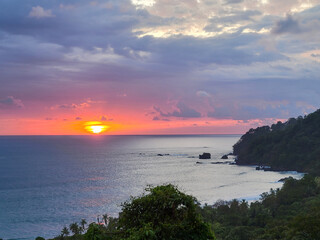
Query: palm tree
{"points": [[83, 223], [74, 228], [105, 218], [65, 232]]}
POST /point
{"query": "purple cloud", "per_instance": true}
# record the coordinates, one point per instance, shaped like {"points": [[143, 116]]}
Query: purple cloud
{"points": [[58, 54], [10, 102], [183, 112], [287, 25]]}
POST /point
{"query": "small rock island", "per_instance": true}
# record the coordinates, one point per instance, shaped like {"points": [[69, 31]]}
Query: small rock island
{"points": [[224, 156], [205, 156]]}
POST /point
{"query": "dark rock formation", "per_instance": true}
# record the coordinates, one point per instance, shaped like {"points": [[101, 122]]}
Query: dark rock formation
{"points": [[205, 156], [224, 157]]}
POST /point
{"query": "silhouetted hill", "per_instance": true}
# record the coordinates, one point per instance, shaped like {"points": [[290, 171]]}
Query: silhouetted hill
{"points": [[293, 145]]}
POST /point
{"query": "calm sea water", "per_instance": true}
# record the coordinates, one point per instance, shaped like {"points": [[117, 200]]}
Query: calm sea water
{"points": [[48, 182]]}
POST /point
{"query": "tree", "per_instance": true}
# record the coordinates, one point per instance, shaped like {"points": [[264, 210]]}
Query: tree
{"points": [[83, 224], [74, 228], [94, 232], [65, 232], [307, 226], [293, 145], [163, 213], [105, 218]]}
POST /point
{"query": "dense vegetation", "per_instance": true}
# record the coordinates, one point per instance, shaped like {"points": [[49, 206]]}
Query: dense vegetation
{"points": [[293, 145], [289, 213], [163, 213], [292, 213]]}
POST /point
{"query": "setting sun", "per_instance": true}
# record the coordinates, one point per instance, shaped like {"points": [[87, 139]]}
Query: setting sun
{"points": [[95, 127]]}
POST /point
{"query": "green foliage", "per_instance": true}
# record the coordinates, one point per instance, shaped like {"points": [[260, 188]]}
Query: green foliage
{"points": [[83, 225], [75, 228], [163, 213], [293, 145], [39, 238], [112, 225], [292, 212], [65, 232], [307, 226], [95, 232]]}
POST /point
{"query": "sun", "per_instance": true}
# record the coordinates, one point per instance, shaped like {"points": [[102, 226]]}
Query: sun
{"points": [[95, 127]]}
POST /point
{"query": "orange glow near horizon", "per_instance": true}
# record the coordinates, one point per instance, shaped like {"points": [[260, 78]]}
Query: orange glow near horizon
{"points": [[95, 127], [127, 126]]}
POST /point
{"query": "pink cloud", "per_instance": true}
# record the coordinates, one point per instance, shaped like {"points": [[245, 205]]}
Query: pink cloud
{"points": [[10, 102]]}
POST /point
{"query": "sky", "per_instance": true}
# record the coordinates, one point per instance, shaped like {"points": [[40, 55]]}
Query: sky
{"points": [[156, 66]]}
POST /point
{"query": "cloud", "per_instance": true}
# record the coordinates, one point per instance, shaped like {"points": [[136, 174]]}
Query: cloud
{"points": [[143, 3], [201, 93], [156, 118], [289, 98], [87, 103], [233, 1], [67, 6], [248, 111], [10, 102], [104, 118], [183, 111], [159, 53], [78, 118], [39, 12], [287, 25], [73, 106]]}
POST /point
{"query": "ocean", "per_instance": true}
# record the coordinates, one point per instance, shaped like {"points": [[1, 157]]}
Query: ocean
{"points": [[48, 182]]}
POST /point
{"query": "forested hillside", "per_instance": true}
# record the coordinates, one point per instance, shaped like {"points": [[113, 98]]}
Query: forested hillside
{"points": [[293, 145], [289, 213]]}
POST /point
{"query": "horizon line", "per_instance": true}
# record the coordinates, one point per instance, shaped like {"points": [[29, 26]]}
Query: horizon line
{"points": [[189, 134]]}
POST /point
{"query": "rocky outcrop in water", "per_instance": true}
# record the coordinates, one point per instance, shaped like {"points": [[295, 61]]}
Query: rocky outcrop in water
{"points": [[205, 156]]}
